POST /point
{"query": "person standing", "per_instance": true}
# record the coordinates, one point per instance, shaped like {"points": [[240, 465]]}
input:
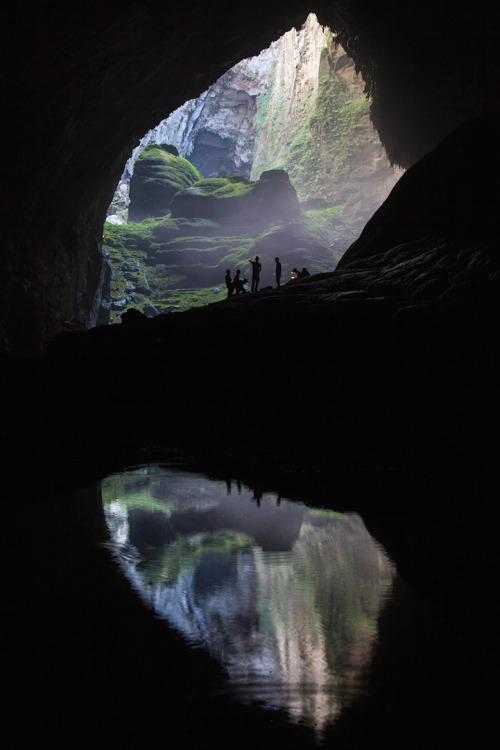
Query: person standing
{"points": [[256, 269], [278, 272], [229, 283]]}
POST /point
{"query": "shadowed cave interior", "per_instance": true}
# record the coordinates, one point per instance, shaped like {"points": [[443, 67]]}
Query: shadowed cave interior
{"points": [[375, 385]]}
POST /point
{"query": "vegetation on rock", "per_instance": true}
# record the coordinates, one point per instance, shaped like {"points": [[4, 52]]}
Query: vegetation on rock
{"points": [[175, 262], [325, 140], [236, 197], [159, 173]]}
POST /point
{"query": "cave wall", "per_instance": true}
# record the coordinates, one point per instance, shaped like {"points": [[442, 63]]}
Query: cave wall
{"points": [[82, 84]]}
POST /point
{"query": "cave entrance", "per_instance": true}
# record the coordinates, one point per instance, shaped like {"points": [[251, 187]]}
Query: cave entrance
{"points": [[191, 203]]}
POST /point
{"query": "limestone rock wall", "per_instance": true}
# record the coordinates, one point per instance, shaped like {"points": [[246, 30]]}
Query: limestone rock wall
{"points": [[314, 122], [215, 131]]}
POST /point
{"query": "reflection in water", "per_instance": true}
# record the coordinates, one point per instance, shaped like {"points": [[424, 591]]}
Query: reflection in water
{"points": [[284, 596]]}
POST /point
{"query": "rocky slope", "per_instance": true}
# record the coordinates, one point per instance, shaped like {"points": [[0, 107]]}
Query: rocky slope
{"points": [[179, 261]]}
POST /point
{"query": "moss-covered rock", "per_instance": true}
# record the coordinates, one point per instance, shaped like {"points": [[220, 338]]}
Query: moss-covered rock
{"points": [[159, 172], [235, 197], [172, 262]]}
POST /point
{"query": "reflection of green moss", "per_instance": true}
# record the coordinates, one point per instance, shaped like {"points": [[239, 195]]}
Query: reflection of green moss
{"points": [[132, 489], [138, 488], [183, 555], [353, 589], [328, 514]]}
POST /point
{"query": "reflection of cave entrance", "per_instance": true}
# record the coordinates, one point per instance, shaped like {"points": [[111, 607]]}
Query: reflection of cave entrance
{"points": [[286, 598]]}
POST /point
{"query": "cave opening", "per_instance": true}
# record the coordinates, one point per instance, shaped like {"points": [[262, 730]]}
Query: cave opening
{"points": [[384, 384], [187, 208]]}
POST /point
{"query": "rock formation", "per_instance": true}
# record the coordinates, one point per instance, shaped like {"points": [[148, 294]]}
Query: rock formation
{"points": [[215, 131], [300, 106], [180, 261], [159, 173], [234, 197], [314, 122], [92, 129]]}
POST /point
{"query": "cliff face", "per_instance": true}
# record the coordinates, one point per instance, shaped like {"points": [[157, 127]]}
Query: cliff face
{"points": [[294, 84], [314, 122], [299, 106], [215, 131]]}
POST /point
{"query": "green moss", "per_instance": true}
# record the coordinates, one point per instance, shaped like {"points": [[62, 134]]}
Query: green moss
{"points": [[157, 163], [333, 130], [184, 299], [220, 187], [262, 110], [158, 175], [172, 263]]}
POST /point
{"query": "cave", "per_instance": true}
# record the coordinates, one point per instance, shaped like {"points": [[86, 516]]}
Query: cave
{"points": [[376, 383]]}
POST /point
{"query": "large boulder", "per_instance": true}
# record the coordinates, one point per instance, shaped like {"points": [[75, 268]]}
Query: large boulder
{"points": [[235, 197], [159, 173]]}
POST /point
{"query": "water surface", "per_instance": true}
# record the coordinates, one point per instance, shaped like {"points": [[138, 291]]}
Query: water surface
{"points": [[285, 597]]}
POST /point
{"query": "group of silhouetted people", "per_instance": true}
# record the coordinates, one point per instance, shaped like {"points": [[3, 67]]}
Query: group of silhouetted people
{"points": [[237, 285], [296, 274]]}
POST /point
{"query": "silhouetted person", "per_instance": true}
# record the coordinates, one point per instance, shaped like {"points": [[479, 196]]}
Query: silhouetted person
{"points": [[239, 283], [278, 272], [295, 273], [257, 496], [229, 283], [304, 273], [256, 269]]}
